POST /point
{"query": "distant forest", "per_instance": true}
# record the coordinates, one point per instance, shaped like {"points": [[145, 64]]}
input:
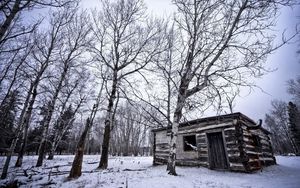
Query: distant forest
{"points": [[76, 81]]}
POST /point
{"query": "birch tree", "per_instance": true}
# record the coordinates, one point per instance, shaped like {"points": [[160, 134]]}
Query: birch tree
{"points": [[45, 45], [125, 43], [77, 162], [11, 13], [294, 89], [74, 39], [223, 45], [277, 121], [41, 59], [66, 117]]}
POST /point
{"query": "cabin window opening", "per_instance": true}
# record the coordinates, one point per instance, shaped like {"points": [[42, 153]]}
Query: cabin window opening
{"points": [[189, 143], [256, 142]]}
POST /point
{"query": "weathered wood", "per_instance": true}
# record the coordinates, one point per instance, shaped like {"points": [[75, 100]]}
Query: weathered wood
{"points": [[199, 129], [239, 167], [202, 140], [128, 169], [217, 157], [245, 146], [154, 148]]}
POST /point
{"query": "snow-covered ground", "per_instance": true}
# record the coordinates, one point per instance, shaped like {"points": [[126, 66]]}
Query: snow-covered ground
{"points": [[138, 172]]}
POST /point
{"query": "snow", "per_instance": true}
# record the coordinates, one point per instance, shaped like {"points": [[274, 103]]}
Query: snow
{"points": [[138, 172]]}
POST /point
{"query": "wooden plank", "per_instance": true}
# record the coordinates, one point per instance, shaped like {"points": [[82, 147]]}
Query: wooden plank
{"points": [[217, 156], [203, 158], [235, 159], [162, 146], [230, 139], [202, 152], [230, 128], [162, 154], [199, 129], [162, 151], [201, 140], [237, 167], [205, 124]]}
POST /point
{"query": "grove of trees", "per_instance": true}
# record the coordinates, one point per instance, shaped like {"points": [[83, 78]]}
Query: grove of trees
{"points": [[283, 121], [76, 81]]}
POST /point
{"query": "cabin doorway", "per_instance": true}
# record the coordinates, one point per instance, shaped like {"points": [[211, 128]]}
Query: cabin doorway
{"points": [[216, 151]]}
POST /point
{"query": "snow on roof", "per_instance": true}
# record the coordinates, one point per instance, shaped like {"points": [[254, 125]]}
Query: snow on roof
{"points": [[237, 115]]}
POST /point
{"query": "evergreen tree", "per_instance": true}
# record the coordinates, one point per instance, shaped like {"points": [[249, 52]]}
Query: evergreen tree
{"points": [[61, 131], [294, 125], [34, 138], [8, 111]]}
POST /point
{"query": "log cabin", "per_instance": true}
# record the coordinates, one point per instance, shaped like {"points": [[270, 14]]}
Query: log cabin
{"points": [[231, 142]]}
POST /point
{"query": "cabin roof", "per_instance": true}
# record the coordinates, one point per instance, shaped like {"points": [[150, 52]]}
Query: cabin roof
{"points": [[232, 116]]}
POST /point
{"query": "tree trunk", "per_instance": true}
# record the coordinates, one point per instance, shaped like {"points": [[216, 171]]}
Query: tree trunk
{"points": [[12, 83], [177, 116], [108, 121], [9, 19], [7, 161], [19, 161], [26, 126], [77, 162], [51, 153], [49, 116], [41, 152], [15, 139], [172, 155], [105, 146], [58, 135]]}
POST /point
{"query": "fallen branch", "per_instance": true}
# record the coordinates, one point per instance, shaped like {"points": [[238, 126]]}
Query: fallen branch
{"points": [[141, 169], [93, 162], [56, 166]]}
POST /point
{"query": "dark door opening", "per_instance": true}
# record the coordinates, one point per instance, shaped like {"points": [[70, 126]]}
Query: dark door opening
{"points": [[216, 151]]}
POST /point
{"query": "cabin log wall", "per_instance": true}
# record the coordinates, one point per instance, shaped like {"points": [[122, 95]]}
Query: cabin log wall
{"points": [[161, 147], [239, 133]]}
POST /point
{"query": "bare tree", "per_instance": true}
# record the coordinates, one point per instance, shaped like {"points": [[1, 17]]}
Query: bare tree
{"points": [[125, 43], [40, 61], [11, 10], [294, 126], [12, 65], [66, 117], [74, 39], [77, 162], [223, 44], [129, 131], [45, 45], [164, 81], [277, 121], [294, 89]]}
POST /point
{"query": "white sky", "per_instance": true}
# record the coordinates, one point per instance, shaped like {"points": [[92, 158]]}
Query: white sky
{"points": [[285, 60], [287, 63]]}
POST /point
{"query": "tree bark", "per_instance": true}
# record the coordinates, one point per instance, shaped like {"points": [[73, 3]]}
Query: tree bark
{"points": [[172, 155], [15, 139], [9, 19], [77, 162], [58, 135], [49, 116], [51, 154], [25, 124], [8, 158], [108, 121]]}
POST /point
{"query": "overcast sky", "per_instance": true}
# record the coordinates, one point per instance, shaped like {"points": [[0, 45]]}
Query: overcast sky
{"points": [[285, 60], [287, 63]]}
